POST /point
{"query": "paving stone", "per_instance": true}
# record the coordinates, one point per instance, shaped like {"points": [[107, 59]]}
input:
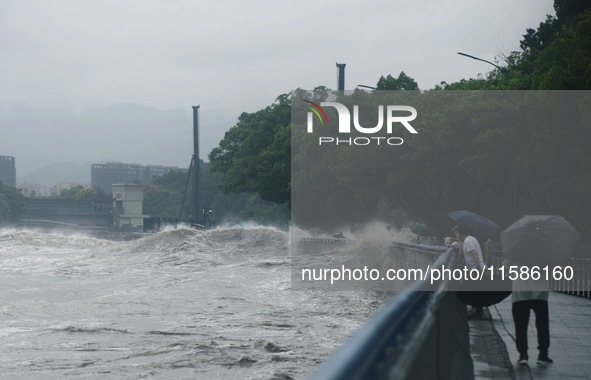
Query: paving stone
{"points": [[570, 342]]}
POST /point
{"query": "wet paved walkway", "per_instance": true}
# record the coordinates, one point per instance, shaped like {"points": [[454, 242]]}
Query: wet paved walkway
{"points": [[495, 355]]}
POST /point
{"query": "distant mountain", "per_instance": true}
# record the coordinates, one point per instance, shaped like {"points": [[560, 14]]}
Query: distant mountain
{"points": [[127, 115], [54, 174], [38, 134]]}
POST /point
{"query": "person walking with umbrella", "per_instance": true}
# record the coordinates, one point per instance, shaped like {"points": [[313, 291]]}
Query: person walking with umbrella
{"points": [[535, 240], [531, 295], [472, 253]]}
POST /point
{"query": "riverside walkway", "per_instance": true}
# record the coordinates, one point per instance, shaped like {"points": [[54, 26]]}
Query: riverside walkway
{"points": [[424, 331], [493, 346]]}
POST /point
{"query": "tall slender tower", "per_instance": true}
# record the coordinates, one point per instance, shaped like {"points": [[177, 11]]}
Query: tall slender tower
{"points": [[341, 77], [198, 212]]}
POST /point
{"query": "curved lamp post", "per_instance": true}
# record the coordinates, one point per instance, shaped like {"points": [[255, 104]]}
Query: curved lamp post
{"points": [[370, 87], [502, 69]]}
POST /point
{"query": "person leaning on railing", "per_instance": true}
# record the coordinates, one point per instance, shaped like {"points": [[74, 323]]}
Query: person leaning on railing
{"points": [[472, 253]]}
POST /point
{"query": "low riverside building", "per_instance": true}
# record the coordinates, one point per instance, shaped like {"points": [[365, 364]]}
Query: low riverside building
{"points": [[120, 215], [128, 200], [62, 213]]}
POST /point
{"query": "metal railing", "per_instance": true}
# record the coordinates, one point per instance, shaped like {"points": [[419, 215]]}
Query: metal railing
{"points": [[421, 334], [572, 276], [580, 285]]}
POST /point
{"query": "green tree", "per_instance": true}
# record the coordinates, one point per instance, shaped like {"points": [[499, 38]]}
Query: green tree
{"points": [[567, 14], [85, 193], [403, 82], [525, 163], [71, 192], [254, 155], [467, 154], [4, 208], [12, 204], [163, 197]]}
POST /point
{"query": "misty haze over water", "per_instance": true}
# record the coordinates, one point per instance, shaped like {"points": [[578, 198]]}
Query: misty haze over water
{"points": [[64, 139]]}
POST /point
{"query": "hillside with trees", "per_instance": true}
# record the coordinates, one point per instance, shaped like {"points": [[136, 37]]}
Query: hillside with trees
{"points": [[515, 162], [502, 165]]}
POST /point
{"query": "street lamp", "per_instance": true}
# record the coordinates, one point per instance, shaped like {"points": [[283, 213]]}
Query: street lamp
{"points": [[502, 69], [362, 85]]}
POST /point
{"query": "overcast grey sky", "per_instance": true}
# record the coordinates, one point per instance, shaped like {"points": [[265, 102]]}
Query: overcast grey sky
{"points": [[239, 55]]}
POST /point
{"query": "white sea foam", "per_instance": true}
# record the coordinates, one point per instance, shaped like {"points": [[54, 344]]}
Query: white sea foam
{"points": [[181, 303]]}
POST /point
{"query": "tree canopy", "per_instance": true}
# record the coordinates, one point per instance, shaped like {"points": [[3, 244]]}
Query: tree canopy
{"points": [[254, 155], [85, 193], [403, 82], [12, 204]]}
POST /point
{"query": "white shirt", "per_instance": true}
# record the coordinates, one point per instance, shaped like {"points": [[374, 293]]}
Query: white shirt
{"points": [[471, 244]]}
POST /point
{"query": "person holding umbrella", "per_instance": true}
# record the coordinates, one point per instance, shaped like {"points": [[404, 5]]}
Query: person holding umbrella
{"points": [[531, 295], [535, 240], [470, 247], [472, 253], [480, 227]]}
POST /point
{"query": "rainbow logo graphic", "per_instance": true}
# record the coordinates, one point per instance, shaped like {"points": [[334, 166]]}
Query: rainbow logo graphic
{"points": [[317, 110]]}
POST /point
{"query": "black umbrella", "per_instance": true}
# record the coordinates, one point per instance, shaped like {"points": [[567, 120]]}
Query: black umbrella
{"points": [[481, 226], [486, 291], [539, 240], [483, 298]]}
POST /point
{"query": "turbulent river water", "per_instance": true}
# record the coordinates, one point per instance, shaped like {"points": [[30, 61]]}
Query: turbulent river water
{"points": [[178, 304]]}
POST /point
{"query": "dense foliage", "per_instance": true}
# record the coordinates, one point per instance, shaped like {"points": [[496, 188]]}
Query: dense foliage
{"points": [[501, 154], [12, 204], [555, 56], [85, 194], [255, 154], [403, 82], [164, 197], [500, 165]]}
